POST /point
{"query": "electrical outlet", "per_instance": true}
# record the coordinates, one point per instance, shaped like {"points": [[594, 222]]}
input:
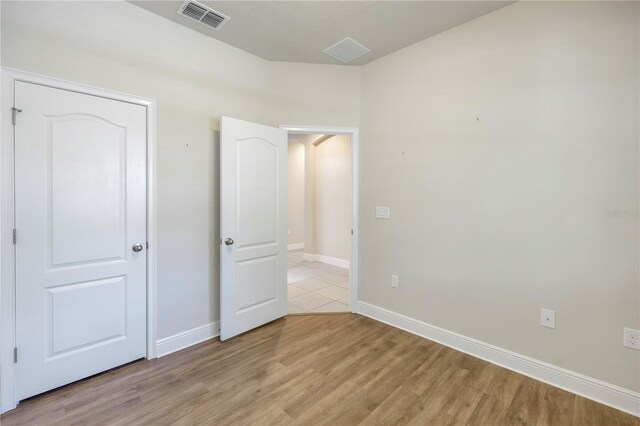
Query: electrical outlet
{"points": [[631, 338], [383, 212], [288, 231], [547, 318], [394, 281]]}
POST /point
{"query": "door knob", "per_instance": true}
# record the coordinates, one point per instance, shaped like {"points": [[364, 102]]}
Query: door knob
{"points": [[137, 247], [228, 241]]}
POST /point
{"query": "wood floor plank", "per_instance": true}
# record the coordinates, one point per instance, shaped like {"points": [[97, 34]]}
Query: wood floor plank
{"points": [[525, 405], [398, 409], [557, 406], [489, 410], [313, 370]]}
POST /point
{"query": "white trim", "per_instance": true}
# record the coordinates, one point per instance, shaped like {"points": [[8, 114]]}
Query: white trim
{"points": [[7, 273], [152, 313], [342, 263], [295, 246], [588, 387], [188, 338], [7, 289], [355, 157]]}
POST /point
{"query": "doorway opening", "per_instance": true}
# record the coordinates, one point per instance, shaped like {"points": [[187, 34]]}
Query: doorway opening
{"points": [[321, 221]]}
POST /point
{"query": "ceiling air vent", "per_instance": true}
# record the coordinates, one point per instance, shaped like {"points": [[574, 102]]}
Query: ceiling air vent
{"points": [[347, 50], [203, 14]]}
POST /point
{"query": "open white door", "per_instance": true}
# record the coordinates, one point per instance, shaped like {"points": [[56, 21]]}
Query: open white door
{"points": [[253, 225]]}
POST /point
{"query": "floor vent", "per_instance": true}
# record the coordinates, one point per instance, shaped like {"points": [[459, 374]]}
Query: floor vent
{"points": [[347, 50], [202, 14]]}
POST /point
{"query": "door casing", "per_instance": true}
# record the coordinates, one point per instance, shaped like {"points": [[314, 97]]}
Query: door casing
{"points": [[353, 132], [7, 218]]}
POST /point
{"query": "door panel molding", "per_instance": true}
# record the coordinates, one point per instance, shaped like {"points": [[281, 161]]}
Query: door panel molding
{"points": [[7, 218]]}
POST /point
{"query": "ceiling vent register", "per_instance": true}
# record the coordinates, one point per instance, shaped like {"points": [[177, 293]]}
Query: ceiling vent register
{"points": [[347, 50], [203, 14]]}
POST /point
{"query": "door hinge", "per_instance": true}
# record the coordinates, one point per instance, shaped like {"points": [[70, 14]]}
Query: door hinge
{"points": [[352, 232], [147, 245], [14, 112], [15, 235], [15, 355]]}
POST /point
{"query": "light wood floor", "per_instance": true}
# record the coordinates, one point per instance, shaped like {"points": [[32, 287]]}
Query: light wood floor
{"points": [[315, 369]]}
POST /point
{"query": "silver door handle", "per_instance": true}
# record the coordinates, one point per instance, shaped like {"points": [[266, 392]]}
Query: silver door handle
{"points": [[137, 247], [228, 241]]}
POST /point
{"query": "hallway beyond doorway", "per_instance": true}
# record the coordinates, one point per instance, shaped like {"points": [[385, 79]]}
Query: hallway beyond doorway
{"points": [[316, 286]]}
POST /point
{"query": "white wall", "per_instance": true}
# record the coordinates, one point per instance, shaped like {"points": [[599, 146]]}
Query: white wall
{"points": [[499, 146], [295, 193], [195, 80], [333, 198]]}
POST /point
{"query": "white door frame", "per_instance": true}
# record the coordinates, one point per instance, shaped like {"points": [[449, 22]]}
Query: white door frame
{"points": [[7, 220], [353, 132]]}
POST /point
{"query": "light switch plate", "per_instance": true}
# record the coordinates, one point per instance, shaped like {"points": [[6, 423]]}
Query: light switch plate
{"points": [[383, 212], [547, 318]]}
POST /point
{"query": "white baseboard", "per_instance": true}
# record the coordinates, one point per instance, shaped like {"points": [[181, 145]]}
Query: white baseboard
{"points": [[331, 261], [187, 338], [588, 387], [295, 246], [7, 407], [326, 259]]}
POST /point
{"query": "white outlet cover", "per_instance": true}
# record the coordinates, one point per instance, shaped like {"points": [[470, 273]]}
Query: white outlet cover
{"points": [[631, 338], [383, 212], [547, 318], [395, 281]]}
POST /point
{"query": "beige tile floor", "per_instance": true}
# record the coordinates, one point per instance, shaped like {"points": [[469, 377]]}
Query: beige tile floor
{"points": [[316, 286]]}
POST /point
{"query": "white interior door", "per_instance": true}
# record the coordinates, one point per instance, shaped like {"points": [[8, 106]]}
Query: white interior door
{"points": [[80, 206], [253, 205]]}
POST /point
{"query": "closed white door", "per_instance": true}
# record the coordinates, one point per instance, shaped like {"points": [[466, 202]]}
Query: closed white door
{"points": [[80, 208], [253, 180]]}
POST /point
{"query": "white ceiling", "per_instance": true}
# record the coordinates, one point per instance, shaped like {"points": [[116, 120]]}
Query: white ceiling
{"points": [[298, 31]]}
